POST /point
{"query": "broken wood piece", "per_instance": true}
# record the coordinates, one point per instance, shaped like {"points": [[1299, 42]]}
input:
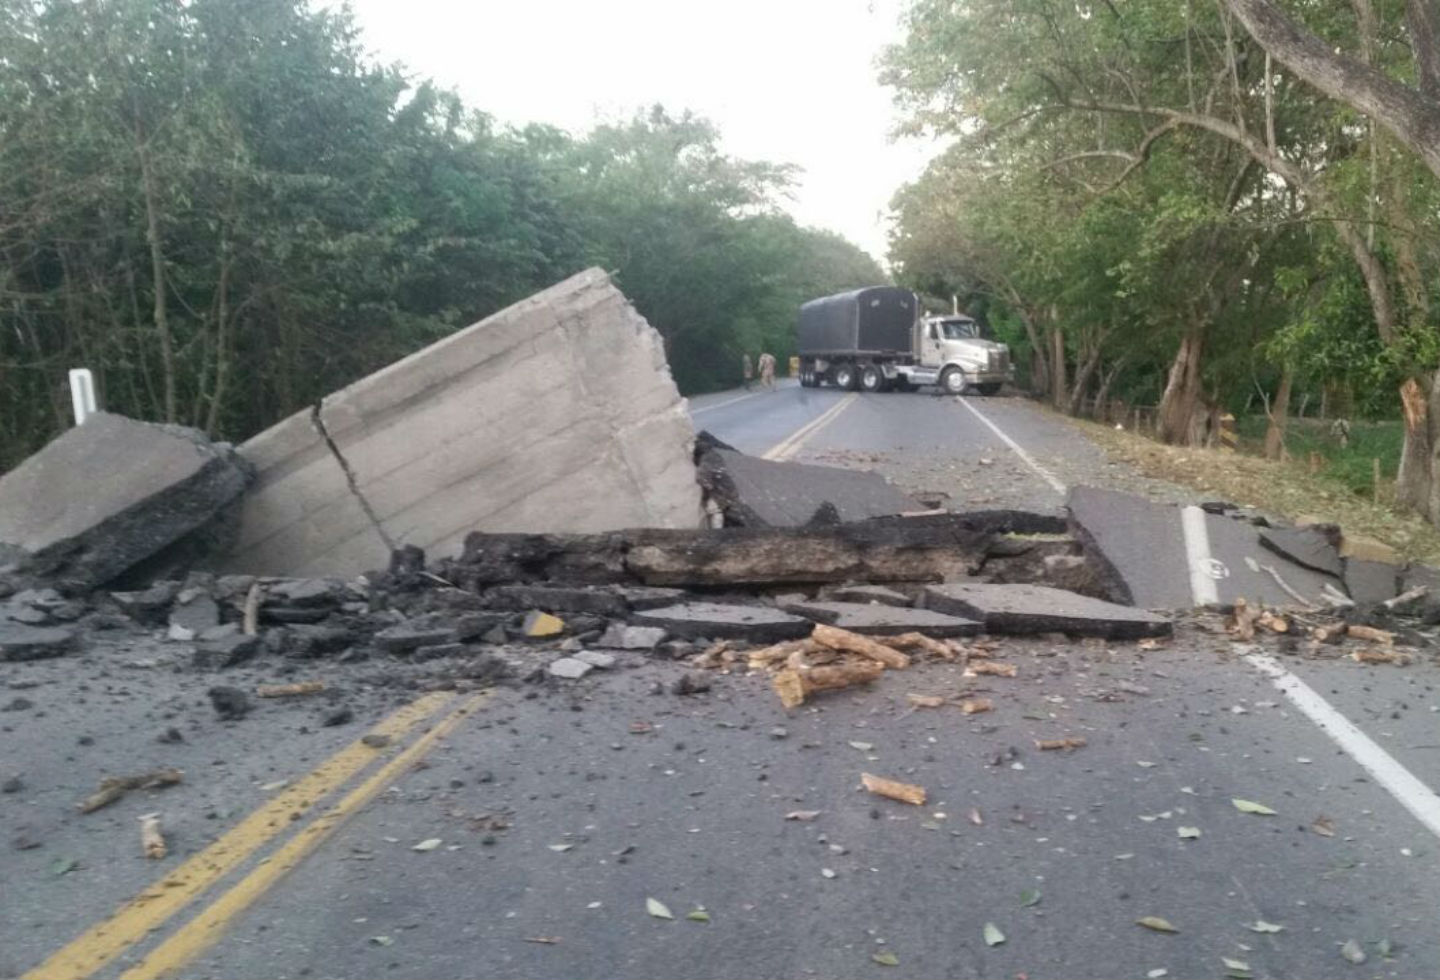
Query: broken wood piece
{"points": [[1241, 623], [289, 690], [838, 639], [1046, 745], [114, 787], [794, 686], [925, 700], [1325, 634], [1379, 657], [713, 656], [931, 646], [891, 789], [1407, 597], [1273, 622], [152, 842], [1370, 634], [995, 668], [250, 619], [768, 656], [976, 705]]}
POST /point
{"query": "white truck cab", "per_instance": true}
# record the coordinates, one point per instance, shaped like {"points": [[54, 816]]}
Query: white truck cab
{"points": [[953, 354]]}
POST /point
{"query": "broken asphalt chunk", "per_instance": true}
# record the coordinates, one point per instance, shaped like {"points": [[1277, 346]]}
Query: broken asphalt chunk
{"points": [[21, 642], [569, 668], [756, 624], [883, 620], [621, 637], [1040, 609]]}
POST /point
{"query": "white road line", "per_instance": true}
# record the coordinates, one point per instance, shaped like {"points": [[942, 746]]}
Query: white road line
{"points": [[728, 401], [1029, 460], [1197, 556], [1401, 783], [791, 445]]}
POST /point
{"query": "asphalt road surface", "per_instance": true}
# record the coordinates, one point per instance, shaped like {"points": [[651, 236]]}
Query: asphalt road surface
{"points": [[520, 833]]}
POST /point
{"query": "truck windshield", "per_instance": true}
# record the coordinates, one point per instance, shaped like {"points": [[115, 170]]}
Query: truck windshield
{"points": [[959, 329]]}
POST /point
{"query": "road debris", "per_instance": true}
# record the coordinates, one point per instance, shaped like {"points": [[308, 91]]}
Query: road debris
{"points": [[1250, 806], [795, 685], [1064, 744], [1156, 923], [1380, 657], [894, 790], [658, 909], [1353, 952], [113, 788], [1370, 634], [925, 700], [805, 816], [838, 639], [993, 935], [289, 690], [152, 842], [974, 706], [885, 958], [994, 668], [230, 703]]}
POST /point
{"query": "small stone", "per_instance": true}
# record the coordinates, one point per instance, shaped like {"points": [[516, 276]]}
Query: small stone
{"points": [[193, 617], [12, 785], [170, 735], [342, 715], [691, 682], [21, 642], [229, 702], [19, 704], [622, 637], [539, 625], [434, 651], [595, 658], [569, 668], [225, 651], [779, 731], [375, 740]]}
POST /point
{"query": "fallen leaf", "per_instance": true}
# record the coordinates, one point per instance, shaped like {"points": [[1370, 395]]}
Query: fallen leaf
{"points": [[427, 845], [1249, 806], [557, 848], [546, 940], [862, 746], [698, 915], [1323, 826], [1262, 926], [974, 817], [657, 909], [1385, 947], [1156, 923], [1029, 897], [803, 815], [62, 866], [827, 872], [1157, 974], [1234, 964], [886, 958], [1188, 833], [993, 935], [1352, 952], [382, 940]]}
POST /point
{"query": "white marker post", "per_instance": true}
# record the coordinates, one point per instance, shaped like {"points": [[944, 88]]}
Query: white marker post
{"points": [[82, 394]]}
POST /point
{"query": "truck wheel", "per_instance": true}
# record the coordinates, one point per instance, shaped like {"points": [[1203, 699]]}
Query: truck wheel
{"points": [[989, 388], [952, 380], [844, 375], [871, 379]]}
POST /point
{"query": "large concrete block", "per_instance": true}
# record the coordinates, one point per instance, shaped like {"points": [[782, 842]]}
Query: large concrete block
{"points": [[557, 414], [109, 494]]}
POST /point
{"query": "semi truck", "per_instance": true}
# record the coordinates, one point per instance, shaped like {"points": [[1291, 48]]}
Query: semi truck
{"points": [[879, 339]]}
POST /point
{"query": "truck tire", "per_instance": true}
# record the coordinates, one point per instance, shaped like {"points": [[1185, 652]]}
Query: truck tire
{"points": [[844, 376], [989, 388], [952, 381], [871, 378]]}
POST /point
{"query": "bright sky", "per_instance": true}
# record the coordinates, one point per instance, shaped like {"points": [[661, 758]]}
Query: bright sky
{"points": [[789, 81]]}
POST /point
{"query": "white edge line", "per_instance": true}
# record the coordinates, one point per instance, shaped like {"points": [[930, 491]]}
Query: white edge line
{"points": [[728, 401], [1197, 555], [791, 444], [1401, 783], [1029, 460]]}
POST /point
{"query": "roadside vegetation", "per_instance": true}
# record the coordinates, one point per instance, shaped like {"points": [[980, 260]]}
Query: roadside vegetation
{"points": [[1194, 209], [227, 210]]}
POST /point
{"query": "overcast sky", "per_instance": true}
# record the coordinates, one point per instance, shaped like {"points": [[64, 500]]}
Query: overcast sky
{"points": [[790, 81]]}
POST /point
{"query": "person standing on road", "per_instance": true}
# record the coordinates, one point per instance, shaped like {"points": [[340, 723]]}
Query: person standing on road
{"points": [[767, 369], [747, 369]]}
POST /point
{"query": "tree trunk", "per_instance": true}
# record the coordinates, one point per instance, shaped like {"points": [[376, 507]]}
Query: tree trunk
{"points": [[1416, 487], [157, 272], [1176, 413], [1058, 387], [1082, 381], [1279, 415]]}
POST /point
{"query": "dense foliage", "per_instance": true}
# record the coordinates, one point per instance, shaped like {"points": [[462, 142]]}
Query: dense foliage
{"points": [[226, 209]]}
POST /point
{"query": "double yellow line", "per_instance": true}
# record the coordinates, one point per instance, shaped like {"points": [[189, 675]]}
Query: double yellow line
{"points": [[790, 446], [153, 908]]}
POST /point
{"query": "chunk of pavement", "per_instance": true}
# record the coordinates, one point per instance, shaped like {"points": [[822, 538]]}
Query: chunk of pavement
{"points": [[230, 703], [19, 641], [148, 605], [554, 598], [556, 414], [1371, 581], [108, 494], [435, 651], [620, 636], [11, 612], [539, 625], [225, 651], [595, 658], [196, 615], [303, 593], [335, 717], [691, 682], [1368, 549], [870, 593], [569, 668], [876, 620], [757, 624], [305, 641], [406, 637], [1307, 546], [755, 492], [1040, 609]]}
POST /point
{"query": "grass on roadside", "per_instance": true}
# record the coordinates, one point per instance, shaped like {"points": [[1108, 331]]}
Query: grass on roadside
{"points": [[1351, 465], [1286, 489]]}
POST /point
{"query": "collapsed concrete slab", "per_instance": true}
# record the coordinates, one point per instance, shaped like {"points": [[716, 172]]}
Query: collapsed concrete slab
{"points": [[712, 620], [556, 414], [755, 492], [1039, 609], [873, 619], [110, 494], [1307, 546], [1371, 581], [1145, 556]]}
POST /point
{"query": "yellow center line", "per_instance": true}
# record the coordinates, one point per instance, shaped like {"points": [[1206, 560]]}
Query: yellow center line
{"points": [[205, 929], [791, 445], [103, 942]]}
